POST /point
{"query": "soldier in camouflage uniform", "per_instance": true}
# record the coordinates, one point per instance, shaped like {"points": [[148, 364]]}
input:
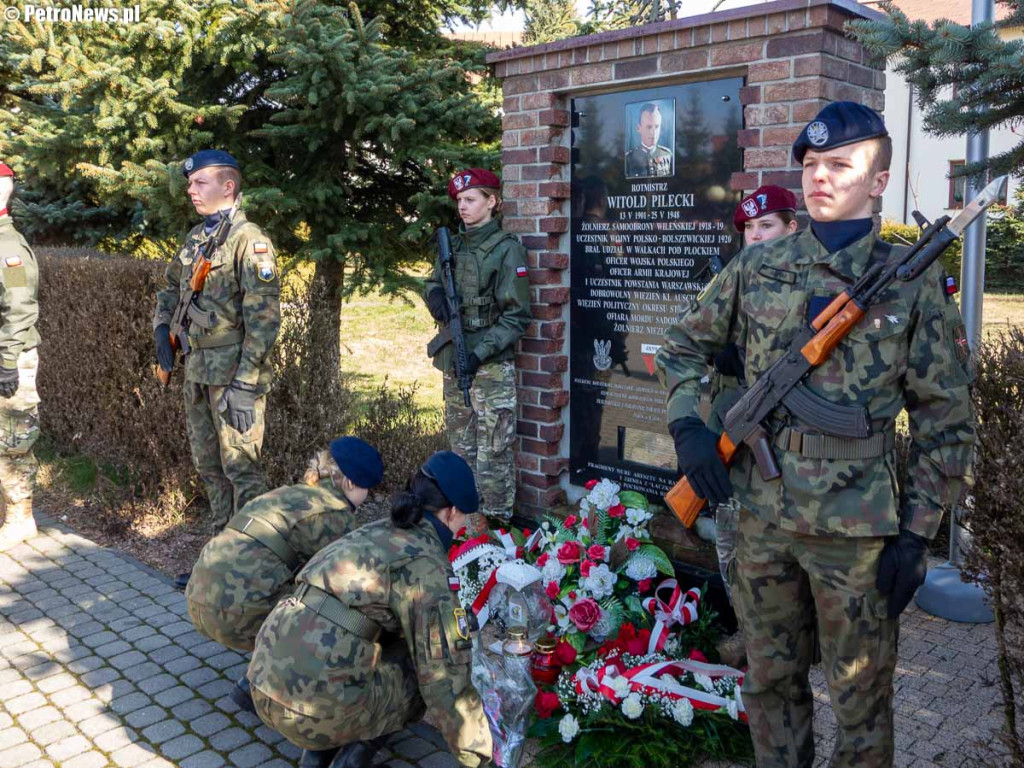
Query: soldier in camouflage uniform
{"points": [[234, 325], [19, 358], [836, 533], [374, 636], [494, 292]]}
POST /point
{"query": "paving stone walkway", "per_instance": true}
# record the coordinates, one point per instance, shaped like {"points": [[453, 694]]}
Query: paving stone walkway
{"points": [[100, 667]]}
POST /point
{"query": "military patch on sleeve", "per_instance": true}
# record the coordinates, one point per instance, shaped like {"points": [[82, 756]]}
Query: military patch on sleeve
{"points": [[12, 261], [772, 273], [960, 345], [265, 271], [259, 247], [453, 583], [520, 271], [461, 622]]}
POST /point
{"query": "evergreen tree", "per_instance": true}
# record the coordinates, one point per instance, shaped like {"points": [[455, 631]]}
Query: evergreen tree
{"points": [[965, 78], [548, 20]]}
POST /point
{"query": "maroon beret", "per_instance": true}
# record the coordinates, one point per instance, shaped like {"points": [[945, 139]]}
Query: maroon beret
{"points": [[470, 178], [762, 201], [5, 170]]}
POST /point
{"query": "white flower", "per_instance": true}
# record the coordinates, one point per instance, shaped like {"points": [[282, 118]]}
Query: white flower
{"points": [[637, 516], [632, 706], [552, 571], [600, 583], [734, 709], [604, 627], [620, 685], [624, 531], [562, 619], [568, 727], [604, 495], [640, 567], [704, 682], [682, 712]]}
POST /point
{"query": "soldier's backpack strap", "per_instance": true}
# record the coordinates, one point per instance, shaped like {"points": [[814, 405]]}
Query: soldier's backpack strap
{"points": [[268, 536], [331, 608], [485, 314], [491, 242]]}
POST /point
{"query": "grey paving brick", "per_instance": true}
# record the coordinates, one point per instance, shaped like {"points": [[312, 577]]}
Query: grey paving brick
{"points": [[83, 710], [101, 723], [250, 756], [130, 703], [205, 759], [232, 738], [192, 710], [215, 689], [163, 731], [190, 640], [174, 696], [166, 654], [152, 642], [112, 650], [200, 676], [129, 659], [136, 633], [160, 619], [99, 677], [143, 671], [181, 747], [114, 739], [85, 664], [102, 637], [154, 685], [140, 718], [209, 724], [224, 660], [123, 625], [182, 665]]}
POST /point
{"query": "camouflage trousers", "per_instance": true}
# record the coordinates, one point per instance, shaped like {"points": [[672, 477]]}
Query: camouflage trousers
{"points": [[781, 577], [386, 702], [19, 430], [726, 520], [235, 629], [227, 460], [484, 434]]}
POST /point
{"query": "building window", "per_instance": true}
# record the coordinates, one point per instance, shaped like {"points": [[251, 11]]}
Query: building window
{"points": [[958, 185]]}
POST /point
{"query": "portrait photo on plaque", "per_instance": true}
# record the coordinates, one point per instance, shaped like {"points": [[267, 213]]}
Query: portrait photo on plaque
{"points": [[650, 139]]}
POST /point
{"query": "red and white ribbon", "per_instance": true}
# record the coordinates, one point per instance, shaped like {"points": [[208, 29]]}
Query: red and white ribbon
{"points": [[480, 605], [511, 550], [680, 608], [472, 550]]}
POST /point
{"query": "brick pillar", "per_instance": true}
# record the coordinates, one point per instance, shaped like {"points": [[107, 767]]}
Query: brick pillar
{"points": [[795, 58]]}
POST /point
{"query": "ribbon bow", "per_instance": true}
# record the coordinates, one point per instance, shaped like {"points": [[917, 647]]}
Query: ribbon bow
{"points": [[680, 608]]}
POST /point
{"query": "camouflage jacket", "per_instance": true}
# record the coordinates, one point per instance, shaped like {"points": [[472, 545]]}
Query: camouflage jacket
{"points": [[242, 293], [494, 290], [19, 289], [908, 351], [236, 571], [399, 579]]}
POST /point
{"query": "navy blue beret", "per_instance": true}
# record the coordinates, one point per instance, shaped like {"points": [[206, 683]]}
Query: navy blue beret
{"points": [[359, 460], [838, 124], [207, 157], [455, 479]]}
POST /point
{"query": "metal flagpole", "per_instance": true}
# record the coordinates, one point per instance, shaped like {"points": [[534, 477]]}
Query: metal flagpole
{"points": [[944, 594]]}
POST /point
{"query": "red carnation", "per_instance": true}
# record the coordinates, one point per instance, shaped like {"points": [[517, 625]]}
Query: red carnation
{"points": [[546, 703], [596, 552], [570, 521], [585, 567], [585, 614], [565, 654], [637, 646], [551, 590], [632, 544], [570, 552], [589, 485], [696, 655], [643, 585], [617, 511], [542, 560]]}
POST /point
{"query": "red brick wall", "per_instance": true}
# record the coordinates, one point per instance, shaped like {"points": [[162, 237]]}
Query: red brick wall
{"points": [[795, 58]]}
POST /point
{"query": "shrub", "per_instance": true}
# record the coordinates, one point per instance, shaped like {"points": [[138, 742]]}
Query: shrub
{"points": [[995, 558]]}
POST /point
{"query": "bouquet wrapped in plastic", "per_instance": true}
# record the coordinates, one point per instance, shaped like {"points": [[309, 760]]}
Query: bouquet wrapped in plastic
{"points": [[503, 680]]}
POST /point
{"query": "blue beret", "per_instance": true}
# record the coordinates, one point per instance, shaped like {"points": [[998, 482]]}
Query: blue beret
{"points": [[838, 124], [207, 157], [359, 460], [455, 479]]}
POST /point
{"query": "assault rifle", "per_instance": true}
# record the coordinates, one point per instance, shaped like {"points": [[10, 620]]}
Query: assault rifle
{"points": [[780, 385], [187, 311], [453, 331]]}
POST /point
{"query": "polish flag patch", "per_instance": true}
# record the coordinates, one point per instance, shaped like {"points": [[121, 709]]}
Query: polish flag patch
{"points": [[520, 271], [453, 583], [259, 247]]}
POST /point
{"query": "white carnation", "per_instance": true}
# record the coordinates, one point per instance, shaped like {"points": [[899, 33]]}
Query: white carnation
{"points": [[632, 706], [704, 682], [620, 685], [569, 728], [604, 495], [552, 571], [600, 583], [640, 567], [682, 712]]}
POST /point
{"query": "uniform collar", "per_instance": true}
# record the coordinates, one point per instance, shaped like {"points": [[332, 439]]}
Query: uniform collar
{"points": [[836, 235], [850, 262], [197, 232], [443, 531], [473, 237]]}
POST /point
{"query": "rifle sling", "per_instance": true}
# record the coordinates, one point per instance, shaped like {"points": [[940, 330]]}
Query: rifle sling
{"points": [[812, 446], [220, 339], [268, 536], [331, 608]]}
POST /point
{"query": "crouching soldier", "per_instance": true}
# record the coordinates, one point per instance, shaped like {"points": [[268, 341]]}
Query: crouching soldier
{"points": [[374, 637], [243, 571]]}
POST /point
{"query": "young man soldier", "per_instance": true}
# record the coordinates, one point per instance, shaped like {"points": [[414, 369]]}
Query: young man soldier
{"points": [[234, 324], [19, 358], [835, 533]]}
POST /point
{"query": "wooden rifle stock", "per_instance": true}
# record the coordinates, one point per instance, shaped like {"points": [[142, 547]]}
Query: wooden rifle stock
{"points": [[683, 500]]}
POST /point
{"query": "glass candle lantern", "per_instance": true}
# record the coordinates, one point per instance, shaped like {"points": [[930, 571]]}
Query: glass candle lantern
{"points": [[543, 665]]}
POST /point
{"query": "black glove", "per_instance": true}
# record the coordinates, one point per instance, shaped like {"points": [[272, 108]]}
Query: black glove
{"points": [[164, 351], [728, 362], [437, 303], [699, 461], [239, 405], [472, 364], [8, 382], [901, 569]]}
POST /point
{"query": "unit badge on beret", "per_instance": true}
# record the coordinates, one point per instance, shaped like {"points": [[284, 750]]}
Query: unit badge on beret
{"points": [[817, 133], [750, 208], [188, 164]]}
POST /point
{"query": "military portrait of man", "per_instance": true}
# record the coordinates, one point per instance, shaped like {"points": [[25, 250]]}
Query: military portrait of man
{"points": [[645, 157]]}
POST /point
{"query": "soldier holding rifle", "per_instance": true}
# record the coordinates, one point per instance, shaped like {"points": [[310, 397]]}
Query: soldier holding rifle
{"points": [[489, 292], [826, 526], [221, 307]]}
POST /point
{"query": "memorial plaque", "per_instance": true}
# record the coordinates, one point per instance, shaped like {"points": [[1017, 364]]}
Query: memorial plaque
{"points": [[651, 206]]}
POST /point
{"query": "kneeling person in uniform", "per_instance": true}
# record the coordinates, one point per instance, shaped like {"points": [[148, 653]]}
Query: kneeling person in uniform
{"points": [[374, 636], [243, 571]]}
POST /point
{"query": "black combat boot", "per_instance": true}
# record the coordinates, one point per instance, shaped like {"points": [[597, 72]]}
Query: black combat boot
{"points": [[359, 754], [317, 758], [181, 580], [241, 694]]}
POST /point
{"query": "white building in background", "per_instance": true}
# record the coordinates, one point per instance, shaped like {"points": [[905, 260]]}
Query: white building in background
{"points": [[921, 163]]}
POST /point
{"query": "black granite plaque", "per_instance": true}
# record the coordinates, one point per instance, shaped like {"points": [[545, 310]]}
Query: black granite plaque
{"points": [[650, 206]]}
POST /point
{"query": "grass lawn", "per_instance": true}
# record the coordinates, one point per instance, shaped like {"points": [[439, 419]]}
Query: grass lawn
{"points": [[1000, 311]]}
